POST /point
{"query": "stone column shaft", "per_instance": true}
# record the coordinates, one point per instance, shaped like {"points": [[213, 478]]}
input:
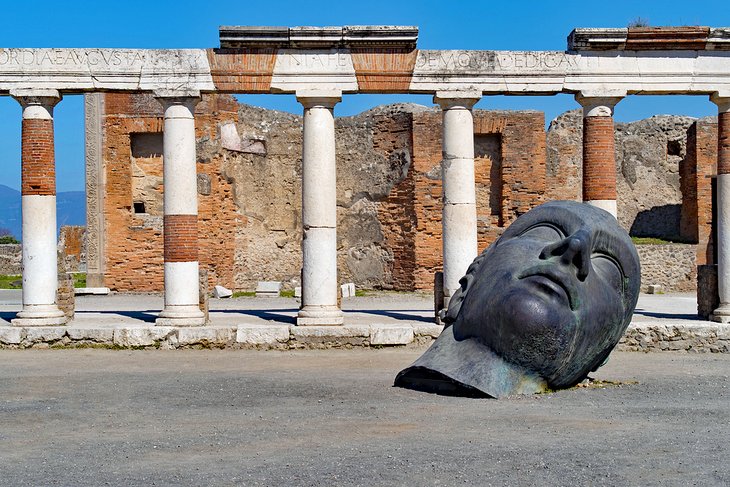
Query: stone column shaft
{"points": [[459, 218], [599, 159], [722, 313], [40, 260], [180, 202], [319, 211]]}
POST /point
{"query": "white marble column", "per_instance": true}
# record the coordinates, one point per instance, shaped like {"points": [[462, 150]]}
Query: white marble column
{"points": [[722, 313], [181, 213], [459, 220], [599, 159], [40, 260], [319, 211]]}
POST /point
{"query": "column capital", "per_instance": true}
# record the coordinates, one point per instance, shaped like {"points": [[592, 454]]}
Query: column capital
{"points": [[186, 98], [722, 100], [319, 98], [598, 105], [464, 99], [37, 104]]}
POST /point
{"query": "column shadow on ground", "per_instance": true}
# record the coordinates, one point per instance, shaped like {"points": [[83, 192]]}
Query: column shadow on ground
{"points": [[268, 315], [7, 315], [668, 316], [396, 315], [148, 316]]}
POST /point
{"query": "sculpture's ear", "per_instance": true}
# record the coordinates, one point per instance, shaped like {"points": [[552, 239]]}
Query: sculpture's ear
{"points": [[460, 294]]}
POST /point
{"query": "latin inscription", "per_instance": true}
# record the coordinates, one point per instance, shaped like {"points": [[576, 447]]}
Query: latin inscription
{"points": [[490, 61], [92, 58], [329, 60]]}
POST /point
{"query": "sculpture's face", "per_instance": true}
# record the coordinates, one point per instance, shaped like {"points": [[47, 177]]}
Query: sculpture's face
{"points": [[554, 293]]}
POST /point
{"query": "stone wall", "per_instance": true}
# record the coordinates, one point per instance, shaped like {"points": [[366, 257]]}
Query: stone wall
{"points": [[388, 188], [11, 256], [671, 265], [249, 186], [649, 154]]}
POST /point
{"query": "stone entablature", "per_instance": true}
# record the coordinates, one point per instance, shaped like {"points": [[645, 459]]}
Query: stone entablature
{"points": [[693, 38], [383, 59]]}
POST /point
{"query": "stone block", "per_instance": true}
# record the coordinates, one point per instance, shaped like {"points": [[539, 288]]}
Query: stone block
{"points": [[268, 289], [91, 290], [391, 334], [229, 137], [10, 335], [207, 335], [44, 334], [348, 290], [222, 292], [298, 292], [145, 336], [100, 335], [262, 334], [309, 332], [654, 289], [427, 329]]}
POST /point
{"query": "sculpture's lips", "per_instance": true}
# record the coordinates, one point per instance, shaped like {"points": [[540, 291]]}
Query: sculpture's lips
{"points": [[554, 281]]}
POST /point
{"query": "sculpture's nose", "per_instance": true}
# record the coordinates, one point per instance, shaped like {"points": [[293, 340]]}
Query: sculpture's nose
{"points": [[573, 250]]}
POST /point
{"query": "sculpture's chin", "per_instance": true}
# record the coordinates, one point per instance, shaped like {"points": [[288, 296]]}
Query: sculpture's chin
{"points": [[532, 330]]}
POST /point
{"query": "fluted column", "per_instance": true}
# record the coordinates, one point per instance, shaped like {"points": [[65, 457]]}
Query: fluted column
{"points": [[599, 159], [459, 220], [319, 211], [722, 313], [180, 213], [40, 261]]}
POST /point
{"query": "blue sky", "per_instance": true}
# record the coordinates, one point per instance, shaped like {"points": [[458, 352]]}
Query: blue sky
{"points": [[443, 25]]}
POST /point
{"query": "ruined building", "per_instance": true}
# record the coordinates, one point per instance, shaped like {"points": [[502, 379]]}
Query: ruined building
{"points": [[388, 188]]}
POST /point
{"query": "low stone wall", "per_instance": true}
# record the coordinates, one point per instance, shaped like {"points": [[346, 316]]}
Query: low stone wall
{"points": [[10, 259], [681, 337], [261, 337], [671, 265]]}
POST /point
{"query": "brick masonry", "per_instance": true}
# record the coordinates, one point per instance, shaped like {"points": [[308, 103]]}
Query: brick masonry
{"points": [[599, 165], [38, 168]]}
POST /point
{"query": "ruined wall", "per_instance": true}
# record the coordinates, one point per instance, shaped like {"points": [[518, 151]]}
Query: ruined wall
{"points": [[132, 159], [671, 265], [249, 189], [509, 165], [697, 188], [649, 154], [11, 256], [388, 187]]}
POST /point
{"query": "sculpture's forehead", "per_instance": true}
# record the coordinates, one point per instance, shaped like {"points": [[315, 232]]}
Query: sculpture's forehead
{"points": [[569, 217]]}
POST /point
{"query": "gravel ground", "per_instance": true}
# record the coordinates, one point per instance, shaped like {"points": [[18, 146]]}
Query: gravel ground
{"points": [[211, 417]]}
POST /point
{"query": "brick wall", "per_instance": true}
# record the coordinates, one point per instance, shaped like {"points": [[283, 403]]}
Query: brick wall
{"points": [[509, 161], [696, 183], [134, 242]]}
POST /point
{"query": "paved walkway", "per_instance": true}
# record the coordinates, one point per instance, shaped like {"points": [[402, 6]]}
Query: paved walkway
{"points": [[386, 308], [661, 322]]}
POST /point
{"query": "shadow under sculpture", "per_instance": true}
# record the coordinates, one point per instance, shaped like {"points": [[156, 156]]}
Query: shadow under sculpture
{"points": [[539, 309]]}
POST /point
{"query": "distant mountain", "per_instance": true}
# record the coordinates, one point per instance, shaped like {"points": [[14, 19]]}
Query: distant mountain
{"points": [[70, 209]]}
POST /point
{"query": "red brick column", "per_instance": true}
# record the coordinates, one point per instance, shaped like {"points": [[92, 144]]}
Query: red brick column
{"points": [[722, 313], [38, 188], [599, 160]]}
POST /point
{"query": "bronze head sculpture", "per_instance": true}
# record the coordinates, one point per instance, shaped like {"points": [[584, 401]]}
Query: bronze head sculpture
{"points": [[539, 309]]}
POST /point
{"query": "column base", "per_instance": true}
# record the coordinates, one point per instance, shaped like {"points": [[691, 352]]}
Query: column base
{"points": [[721, 314], [189, 315], [39, 315], [320, 316]]}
